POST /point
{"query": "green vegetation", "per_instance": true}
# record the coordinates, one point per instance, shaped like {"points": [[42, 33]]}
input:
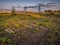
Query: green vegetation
{"points": [[28, 30]]}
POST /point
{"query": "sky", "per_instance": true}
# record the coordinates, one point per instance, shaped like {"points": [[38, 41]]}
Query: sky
{"points": [[10, 3]]}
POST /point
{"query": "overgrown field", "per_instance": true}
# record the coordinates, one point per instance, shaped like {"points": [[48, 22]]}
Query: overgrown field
{"points": [[30, 29]]}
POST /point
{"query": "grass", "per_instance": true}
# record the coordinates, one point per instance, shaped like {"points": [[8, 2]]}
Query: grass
{"points": [[26, 27]]}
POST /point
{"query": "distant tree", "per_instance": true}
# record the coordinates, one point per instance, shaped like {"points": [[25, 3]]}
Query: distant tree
{"points": [[58, 11], [48, 11]]}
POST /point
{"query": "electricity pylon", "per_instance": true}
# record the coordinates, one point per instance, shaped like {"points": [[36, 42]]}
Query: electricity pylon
{"points": [[25, 9], [13, 10]]}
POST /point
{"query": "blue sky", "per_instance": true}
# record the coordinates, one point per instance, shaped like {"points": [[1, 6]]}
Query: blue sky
{"points": [[10, 3]]}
